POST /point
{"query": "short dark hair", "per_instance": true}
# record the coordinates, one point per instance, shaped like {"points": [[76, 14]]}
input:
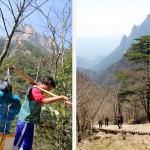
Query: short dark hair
{"points": [[49, 81]]}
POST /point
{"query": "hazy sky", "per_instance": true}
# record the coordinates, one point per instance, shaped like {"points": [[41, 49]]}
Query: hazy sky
{"points": [[109, 19]]}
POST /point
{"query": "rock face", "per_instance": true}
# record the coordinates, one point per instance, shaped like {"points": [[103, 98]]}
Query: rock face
{"points": [[125, 44], [28, 33]]}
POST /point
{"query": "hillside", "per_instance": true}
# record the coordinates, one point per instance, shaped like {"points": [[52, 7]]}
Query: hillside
{"points": [[106, 69], [125, 44], [83, 62]]}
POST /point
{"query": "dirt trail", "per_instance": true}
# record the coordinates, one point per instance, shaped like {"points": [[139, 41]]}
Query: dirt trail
{"points": [[135, 127]]}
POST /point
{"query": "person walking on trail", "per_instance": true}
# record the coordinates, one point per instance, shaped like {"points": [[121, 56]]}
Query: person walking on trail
{"points": [[120, 121], [10, 105], [106, 121], [100, 123], [29, 114]]}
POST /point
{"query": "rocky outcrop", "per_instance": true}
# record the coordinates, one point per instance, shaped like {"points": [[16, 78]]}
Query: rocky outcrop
{"points": [[28, 33]]}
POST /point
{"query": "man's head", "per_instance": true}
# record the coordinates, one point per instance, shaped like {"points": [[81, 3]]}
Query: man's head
{"points": [[48, 83]]}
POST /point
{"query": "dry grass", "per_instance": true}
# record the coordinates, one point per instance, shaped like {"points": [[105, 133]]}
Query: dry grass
{"points": [[116, 142]]}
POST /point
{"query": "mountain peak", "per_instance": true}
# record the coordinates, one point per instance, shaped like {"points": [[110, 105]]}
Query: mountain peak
{"points": [[124, 38], [25, 32], [28, 33], [125, 44], [28, 29]]}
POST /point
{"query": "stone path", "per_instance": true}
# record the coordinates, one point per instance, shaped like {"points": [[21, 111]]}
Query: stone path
{"points": [[145, 128]]}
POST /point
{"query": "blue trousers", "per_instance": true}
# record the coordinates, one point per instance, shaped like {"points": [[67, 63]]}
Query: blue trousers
{"points": [[24, 136]]}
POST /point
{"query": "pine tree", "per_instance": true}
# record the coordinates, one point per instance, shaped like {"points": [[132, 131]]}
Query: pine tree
{"points": [[139, 54]]}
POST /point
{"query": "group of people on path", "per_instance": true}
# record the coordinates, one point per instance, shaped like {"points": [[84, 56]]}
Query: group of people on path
{"points": [[119, 121], [28, 112], [100, 121]]}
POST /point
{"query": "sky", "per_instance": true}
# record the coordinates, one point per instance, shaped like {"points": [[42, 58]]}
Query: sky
{"points": [[107, 19], [36, 19]]}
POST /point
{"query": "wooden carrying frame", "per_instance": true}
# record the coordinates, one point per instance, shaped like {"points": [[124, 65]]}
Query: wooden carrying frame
{"points": [[28, 79], [6, 141]]}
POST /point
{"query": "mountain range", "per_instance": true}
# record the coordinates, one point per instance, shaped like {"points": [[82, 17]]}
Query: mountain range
{"points": [[126, 42]]}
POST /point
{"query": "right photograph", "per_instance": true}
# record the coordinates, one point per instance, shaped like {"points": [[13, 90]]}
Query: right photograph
{"points": [[112, 74]]}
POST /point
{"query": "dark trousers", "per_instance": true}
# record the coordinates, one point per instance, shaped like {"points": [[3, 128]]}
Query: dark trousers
{"points": [[24, 136]]}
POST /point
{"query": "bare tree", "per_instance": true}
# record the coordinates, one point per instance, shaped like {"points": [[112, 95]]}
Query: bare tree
{"points": [[58, 28], [17, 11], [90, 98], [113, 101]]}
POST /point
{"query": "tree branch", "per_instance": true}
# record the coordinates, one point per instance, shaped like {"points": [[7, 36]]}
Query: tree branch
{"points": [[32, 11], [11, 10], [4, 23]]}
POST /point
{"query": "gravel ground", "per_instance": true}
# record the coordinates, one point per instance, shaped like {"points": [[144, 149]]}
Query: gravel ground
{"points": [[103, 141], [135, 127]]}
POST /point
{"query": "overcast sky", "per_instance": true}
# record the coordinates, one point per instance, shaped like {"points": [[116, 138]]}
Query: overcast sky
{"points": [[108, 19]]}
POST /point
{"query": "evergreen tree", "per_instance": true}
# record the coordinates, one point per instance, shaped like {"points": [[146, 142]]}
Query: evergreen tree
{"points": [[139, 54]]}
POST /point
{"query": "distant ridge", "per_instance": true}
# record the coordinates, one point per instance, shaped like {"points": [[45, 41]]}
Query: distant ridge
{"points": [[125, 44], [84, 63]]}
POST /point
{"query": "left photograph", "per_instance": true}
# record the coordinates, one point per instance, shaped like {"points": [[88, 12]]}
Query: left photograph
{"points": [[35, 75]]}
